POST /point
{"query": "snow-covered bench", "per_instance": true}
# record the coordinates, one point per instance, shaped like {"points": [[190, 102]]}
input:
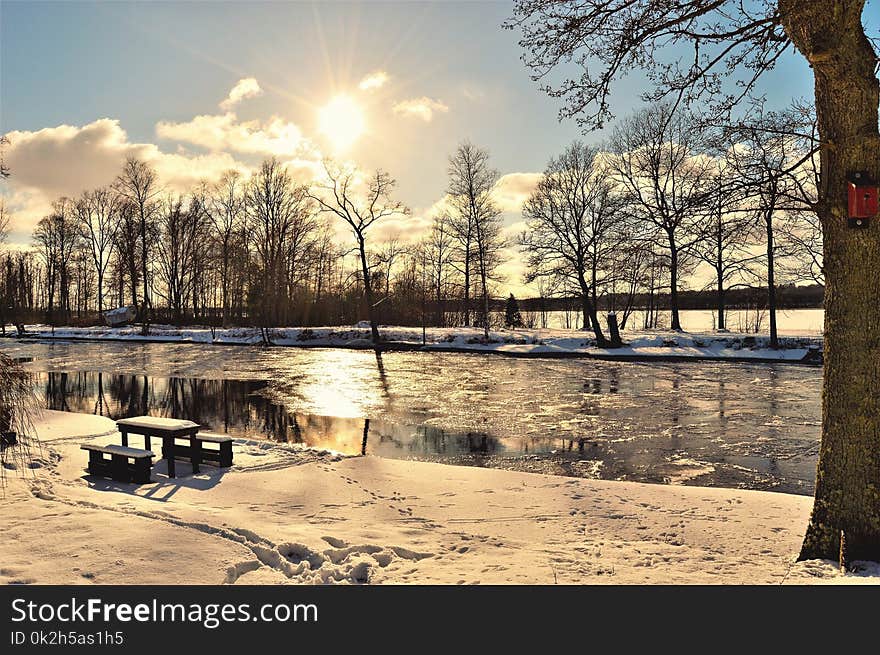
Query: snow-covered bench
{"points": [[167, 429], [121, 463], [221, 455]]}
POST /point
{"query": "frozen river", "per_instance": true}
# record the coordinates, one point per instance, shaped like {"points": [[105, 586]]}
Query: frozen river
{"points": [[712, 424]]}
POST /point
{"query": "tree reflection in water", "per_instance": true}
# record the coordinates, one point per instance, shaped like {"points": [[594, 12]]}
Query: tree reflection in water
{"points": [[244, 408]]}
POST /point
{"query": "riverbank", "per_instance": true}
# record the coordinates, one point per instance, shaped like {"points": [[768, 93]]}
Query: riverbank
{"points": [[544, 343], [284, 514]]}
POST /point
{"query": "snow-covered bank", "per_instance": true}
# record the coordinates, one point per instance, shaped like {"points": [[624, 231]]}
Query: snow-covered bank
{"points": [[288, 515], [515, 342]]}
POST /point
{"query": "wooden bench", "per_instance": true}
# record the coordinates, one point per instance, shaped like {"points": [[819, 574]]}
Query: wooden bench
{"points": [[124, 464], [221, 456]]}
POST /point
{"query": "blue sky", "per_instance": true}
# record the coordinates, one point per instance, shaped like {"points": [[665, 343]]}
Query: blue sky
{"points": [[140, 64]]}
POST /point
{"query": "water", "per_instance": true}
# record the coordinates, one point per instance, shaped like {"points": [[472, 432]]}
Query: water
{"points": [[713, 424]]}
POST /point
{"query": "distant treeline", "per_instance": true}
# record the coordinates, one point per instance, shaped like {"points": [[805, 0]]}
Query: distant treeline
{"points": [[788, 297]]}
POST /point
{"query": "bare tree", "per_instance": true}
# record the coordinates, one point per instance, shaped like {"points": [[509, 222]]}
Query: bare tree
{"points": [[360, 203], [126, 256], [46, 240], [630, 261], [56, 237], [477, 217], [764, 158], [608, 38], [225, 209], [139, 185], [799, 228], [438, 248], [181, 240], [727, 231], [801, 238], [279, 216], [98, 219], [390, 252], [665, 180], [571, 216]]}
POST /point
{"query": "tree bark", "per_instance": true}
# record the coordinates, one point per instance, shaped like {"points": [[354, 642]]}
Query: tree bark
{"points": [[673, 282], [719, 268], [590, 316], [100, 293], [368, 292], [145, 318], [845, 523], [467, 286], [485, 299], [771, 280]]}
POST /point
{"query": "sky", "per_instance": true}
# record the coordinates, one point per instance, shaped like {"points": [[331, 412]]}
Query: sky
{"points": [[197, 88]]}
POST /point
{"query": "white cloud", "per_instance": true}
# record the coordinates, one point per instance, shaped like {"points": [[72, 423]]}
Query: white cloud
{"points": [[422, 108], [226, 132], [407, 229], [247, 87], [26, 207], [181, 172], [512, 190], [374, 80], [66, 160]]}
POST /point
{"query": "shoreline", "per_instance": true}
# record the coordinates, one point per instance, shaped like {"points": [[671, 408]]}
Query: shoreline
{"points": [[290, 515], [537, 348]]}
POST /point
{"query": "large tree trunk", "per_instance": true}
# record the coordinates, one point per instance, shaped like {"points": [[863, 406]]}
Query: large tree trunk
{"points": [[845, 523]]}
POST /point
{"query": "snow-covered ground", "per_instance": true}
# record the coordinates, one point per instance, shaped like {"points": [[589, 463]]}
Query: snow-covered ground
{"points": [[548, 342], [289, 515]]}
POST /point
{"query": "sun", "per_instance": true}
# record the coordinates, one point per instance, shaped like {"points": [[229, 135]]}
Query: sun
{"points": [[342, 121]]}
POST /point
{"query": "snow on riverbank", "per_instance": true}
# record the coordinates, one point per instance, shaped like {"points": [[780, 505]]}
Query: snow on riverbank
{"points": [[519, 342], [289, 515]]}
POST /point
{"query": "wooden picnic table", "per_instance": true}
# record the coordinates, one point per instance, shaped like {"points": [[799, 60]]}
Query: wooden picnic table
{"points": [[167, 429]]}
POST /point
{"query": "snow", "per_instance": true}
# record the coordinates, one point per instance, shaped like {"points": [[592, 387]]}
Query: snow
{"points": [[288, 514], [127, 451], [547, 342], [119, 316], [157, 422]]}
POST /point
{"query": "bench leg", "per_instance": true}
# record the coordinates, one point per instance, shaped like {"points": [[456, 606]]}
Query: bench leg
{"points": [[226, 454], [195, 452], [98, 465], [169, 456], [146, 442], [119, 468], [142, 471], [124, 437]]}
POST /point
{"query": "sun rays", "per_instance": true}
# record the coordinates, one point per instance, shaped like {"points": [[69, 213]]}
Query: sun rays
{"points": [[342, 122]]}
